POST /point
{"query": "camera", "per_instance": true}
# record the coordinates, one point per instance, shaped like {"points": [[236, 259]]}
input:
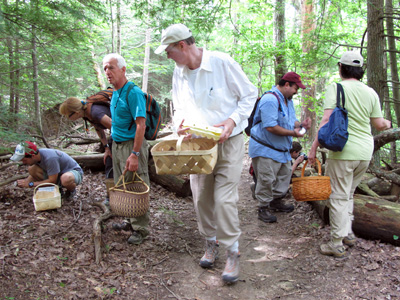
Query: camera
{"points": [[305, 156]]}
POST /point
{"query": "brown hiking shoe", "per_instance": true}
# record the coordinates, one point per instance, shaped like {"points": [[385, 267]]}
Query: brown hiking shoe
{"points": [[331, 249], [350, 240]]}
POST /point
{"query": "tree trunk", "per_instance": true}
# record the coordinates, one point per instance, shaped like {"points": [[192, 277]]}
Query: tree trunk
{"points": [[279, 40], [98, 72], [35, 76], [146, 60], [394, 75], [375, 219], [119, 26], [112, 28], [375, 49], [308, 26]]}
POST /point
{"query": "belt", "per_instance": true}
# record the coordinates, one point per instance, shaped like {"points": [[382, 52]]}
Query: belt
{"points": [[267, 145]]}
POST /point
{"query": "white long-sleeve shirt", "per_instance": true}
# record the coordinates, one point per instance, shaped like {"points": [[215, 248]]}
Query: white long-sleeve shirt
{"points": [[221, 90]]}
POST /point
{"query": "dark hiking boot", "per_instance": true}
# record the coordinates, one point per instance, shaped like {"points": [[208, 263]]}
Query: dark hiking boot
{"points": [[122, 226], [265, 216], [279, 205], [136, 238]]}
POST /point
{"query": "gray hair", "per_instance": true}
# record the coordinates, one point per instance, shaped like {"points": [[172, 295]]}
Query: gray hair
{"points": [[121, 61]]}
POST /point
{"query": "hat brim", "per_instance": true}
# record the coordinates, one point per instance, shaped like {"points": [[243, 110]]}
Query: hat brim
{"points": [[17, 157], [161, 49], [301, 85]]}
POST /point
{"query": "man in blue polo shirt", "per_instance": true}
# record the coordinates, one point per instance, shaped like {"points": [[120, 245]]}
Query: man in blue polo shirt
{"points": [[130, 150], [274, 126]]}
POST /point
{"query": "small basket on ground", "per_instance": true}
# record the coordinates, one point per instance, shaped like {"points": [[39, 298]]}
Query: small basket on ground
{"points": [[311, 188], [46, 196], [193, 156], [130, 199]]}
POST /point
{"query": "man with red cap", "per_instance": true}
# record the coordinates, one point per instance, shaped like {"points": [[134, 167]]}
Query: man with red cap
{"points": [[48, 166], [274, 126]]}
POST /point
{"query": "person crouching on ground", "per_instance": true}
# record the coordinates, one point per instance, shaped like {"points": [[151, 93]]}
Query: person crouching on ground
{"points": [[48, 166], [100, 117]]}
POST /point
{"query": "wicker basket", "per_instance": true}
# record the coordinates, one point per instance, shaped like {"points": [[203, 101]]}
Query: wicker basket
{"points": [[193, 156], [311, 188], [130, 199], [46, 196]]}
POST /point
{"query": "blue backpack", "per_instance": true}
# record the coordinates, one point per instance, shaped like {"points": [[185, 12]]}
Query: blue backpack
{"points": [[153, 115], [333, 135]]}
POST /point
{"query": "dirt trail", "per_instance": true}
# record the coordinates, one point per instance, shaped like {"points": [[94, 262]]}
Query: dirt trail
{"points": [[49, 255]]}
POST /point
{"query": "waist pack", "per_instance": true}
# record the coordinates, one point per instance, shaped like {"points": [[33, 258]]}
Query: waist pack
{"points": [[333, 135], [250, 120], [153, 115]]}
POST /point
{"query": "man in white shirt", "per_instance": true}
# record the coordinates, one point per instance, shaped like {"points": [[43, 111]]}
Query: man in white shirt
{"points": [[210, 88]]}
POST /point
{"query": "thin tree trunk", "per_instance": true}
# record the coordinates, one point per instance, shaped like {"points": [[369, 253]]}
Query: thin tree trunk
{"points": [[97, 70], [146, 60], [119, 26], [394, 76], [375, 48], [35, 76], [308, 26], [279, 40], [112, 28]]}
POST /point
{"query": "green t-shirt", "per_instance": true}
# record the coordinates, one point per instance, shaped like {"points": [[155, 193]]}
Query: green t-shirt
{"points": [[362, 103]]}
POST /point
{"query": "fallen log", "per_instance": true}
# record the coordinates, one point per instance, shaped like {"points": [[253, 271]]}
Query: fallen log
{"points": [[180, 185], [374, 219], [93, 162], [12, 179]]}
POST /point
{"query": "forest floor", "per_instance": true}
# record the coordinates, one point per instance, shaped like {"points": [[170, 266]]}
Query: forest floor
{"points": [[50, 254]]}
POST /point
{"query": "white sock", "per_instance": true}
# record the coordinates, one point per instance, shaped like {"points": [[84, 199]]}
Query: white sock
{"points": [[234, 247], [214, 238]]}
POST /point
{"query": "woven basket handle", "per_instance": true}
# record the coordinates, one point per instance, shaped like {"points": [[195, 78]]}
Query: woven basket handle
{"points": [[43, 184], [305, 164], [179, 143], [122, 177]]}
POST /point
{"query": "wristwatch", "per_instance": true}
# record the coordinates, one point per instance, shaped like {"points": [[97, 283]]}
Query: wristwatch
{"points": [[106, 146], [136, 153], [31, 184]]}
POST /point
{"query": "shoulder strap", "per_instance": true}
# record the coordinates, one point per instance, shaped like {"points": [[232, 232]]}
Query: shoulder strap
{"points": [[277, 98], [130, 87], [340, 92]]}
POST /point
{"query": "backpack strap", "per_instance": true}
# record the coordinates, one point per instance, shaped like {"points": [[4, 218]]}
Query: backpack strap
{"points": [[130, 87], [277, 98], [340, 92]]}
